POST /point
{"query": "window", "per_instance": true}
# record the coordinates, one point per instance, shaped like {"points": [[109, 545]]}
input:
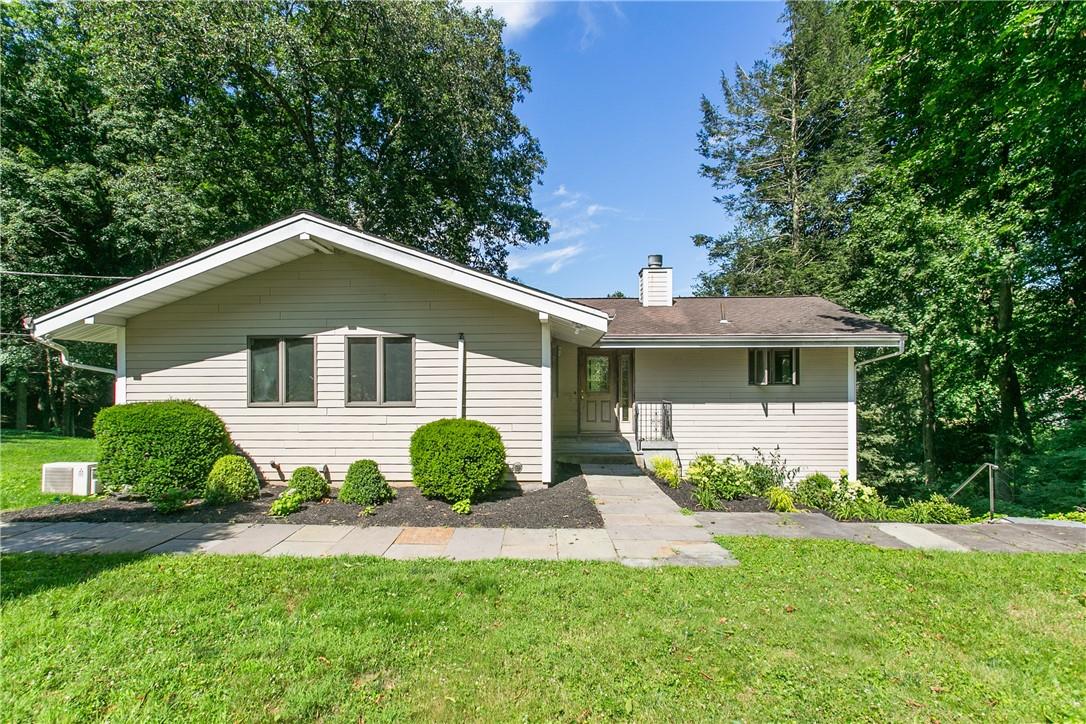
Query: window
{"points": [[773, 366], [380, 370], [598, 373], [281, 371]]}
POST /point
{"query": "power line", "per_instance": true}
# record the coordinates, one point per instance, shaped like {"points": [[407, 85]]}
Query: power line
{"points": [[50, 274]]}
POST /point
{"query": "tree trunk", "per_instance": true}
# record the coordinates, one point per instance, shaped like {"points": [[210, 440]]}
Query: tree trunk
{"points": [[1025, 427], [797, 210], [1006, 373], [20, 405], [927, 397]]}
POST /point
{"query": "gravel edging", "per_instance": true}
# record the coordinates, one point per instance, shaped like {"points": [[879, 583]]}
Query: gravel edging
{"points": [[565, 504]]}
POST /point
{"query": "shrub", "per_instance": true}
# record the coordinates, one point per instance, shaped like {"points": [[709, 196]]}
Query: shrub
{"points": [[1078, 516], [289, 501], [780, 500], [308, 483], [665, 469], [170, 500], [717, 481], [815, 491], [154, 448], [462, 507], [936, 509], [456, 459], [364, 485], [231, 479]]}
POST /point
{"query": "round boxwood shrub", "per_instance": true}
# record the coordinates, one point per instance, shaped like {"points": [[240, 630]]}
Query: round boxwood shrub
{"points": [[364, 485], [309, 483], [151, 448], [232, 479], [457, 459]]}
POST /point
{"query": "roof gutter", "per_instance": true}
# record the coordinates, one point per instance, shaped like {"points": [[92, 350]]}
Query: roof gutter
{"points": [[761, 340], [896, 353], [28, 324]]}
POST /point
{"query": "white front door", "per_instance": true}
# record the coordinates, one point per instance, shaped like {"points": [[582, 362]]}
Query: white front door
{"points": [[597, 376]]}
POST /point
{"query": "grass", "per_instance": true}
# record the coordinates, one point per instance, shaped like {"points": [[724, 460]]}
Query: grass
{"points": [[807, 630], [21, 458]]}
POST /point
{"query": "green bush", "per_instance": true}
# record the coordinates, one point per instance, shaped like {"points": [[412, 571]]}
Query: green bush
{"points": [[815, 491], [364, 485], [151, 448], [936, 509], [780, 500], [309, 483], [231, 479], [769, 471], [462, 507], [170, 500], [665, 469], [456, 460], [716, 482], [289, 501]]}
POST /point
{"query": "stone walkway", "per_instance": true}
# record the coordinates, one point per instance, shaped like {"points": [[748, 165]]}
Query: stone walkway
{"points": [[1013, 535], [642, 527]]}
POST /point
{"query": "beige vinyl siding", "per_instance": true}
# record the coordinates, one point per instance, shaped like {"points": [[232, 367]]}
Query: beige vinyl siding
{"points": [[715, 410], [196, 349]]}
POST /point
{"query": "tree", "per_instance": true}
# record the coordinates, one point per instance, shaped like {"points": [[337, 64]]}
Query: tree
{"points": [[135, 133], [785, 151]]}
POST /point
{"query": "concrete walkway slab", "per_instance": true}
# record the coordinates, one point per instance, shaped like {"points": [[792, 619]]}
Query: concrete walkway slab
{"points": [[320, 534], [585, 544], [366, 541], [919, 537], [255, 539], [301, 549], [530, 544], [475, 544]]}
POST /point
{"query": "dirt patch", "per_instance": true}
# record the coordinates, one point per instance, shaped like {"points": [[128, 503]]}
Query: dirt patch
{"points": [[565, 504]]}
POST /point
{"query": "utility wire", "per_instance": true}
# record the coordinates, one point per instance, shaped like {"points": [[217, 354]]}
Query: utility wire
{"points": [[50, 274]]}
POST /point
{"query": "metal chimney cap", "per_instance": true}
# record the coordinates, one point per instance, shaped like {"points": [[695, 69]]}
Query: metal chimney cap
{"points": [[656, 260]]}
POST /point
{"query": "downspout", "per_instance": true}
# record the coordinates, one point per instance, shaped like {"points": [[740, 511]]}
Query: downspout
{"points": [[460, 373], [63, 351]]}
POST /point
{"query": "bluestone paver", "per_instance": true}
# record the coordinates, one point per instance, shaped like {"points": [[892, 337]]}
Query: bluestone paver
{"points": [[373, 541], [255, 539], [919, 537], [301, 548], [411, 551], [585, 544], [320, 534], [530, 544], [144, 538], [473, 544]]}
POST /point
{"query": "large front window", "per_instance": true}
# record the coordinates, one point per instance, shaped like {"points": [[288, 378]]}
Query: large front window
{"points": [[281, 371], [380, 370]]}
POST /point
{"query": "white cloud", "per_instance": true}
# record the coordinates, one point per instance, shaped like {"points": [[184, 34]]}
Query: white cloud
{"points": [[519, 15], [591, 25], [561, 191], [552, 259], [594, 209]]}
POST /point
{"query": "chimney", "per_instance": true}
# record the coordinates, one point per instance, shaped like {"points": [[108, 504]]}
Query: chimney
{"points": [[654, 283]]}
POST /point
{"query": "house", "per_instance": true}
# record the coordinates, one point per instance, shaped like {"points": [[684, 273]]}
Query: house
{"points": [[320, 344]]}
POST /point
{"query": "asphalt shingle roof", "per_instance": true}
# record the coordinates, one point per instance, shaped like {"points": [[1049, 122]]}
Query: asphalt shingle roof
{"points": [[700, 317]]}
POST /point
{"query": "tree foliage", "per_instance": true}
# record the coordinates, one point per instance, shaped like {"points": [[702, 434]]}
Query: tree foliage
{"points": [[946, 200], [135, 133]]}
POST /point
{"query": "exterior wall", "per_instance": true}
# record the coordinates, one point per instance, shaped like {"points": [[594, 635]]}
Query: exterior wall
{"points": [[715, 410], [196, 349]]}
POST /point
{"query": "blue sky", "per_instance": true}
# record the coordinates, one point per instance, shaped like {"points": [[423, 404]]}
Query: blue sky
{"points": [[615, 106]]}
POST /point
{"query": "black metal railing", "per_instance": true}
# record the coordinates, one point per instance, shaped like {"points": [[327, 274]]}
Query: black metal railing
{"points": [[652, 422]]}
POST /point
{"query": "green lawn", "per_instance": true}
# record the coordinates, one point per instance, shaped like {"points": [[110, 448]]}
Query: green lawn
{"points": [[21, 457], [802, 630]]}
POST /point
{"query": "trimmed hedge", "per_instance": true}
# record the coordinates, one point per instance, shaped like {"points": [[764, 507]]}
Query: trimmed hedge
{"points": [[364, 485], [232, 479], [456, 459], [157, 448], [309, 483]]}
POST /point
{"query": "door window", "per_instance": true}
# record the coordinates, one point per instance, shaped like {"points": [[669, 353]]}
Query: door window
{"points": [[598, 373]]}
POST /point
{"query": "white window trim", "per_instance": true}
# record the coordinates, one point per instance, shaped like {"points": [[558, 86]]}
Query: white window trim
{"points": [[380, 352], [765, 354]]}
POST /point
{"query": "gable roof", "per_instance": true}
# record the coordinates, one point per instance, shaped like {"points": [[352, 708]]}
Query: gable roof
{"points": [[751, 321], [96, 316]]}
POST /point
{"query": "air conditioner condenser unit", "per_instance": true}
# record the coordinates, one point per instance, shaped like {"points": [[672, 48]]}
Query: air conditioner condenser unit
{"points": [[69, 478]]}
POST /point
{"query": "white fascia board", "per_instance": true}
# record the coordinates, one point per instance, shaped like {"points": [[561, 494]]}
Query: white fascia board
{"points": [[166, 276], [423, 264], [746, 341], [294, 227]]}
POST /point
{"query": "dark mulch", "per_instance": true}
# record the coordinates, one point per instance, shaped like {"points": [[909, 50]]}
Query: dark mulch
{"points": [[684, 498], [563, 505]]}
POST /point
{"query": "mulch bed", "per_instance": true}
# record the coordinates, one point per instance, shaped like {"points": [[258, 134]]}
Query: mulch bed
{"points": [[684, 498], [565, 504]]}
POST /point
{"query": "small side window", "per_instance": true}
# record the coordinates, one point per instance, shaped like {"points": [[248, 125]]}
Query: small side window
{"points": [[380, 370], [773, 366]]}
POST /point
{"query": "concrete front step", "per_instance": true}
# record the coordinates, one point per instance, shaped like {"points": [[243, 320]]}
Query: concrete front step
{"points": [[596, 458]]}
